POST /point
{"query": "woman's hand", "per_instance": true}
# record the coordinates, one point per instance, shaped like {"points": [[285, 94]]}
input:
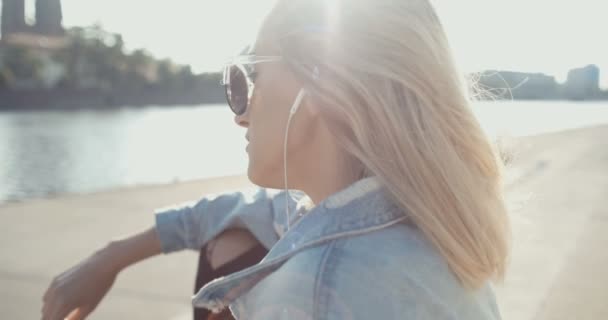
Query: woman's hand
{"points": [[76, 292]]}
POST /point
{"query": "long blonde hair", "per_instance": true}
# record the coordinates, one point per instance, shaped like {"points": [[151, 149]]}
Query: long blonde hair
{"points": [[401, 110]]}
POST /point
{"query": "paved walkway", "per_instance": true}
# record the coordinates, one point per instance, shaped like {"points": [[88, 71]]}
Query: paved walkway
{"points": [[558, 195]]}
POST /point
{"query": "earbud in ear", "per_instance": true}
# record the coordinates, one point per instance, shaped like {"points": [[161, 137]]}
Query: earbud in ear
{"points": [[297, 102]]}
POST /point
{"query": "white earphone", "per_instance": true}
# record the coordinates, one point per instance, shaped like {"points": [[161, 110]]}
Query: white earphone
{"points": [[294, 108], [297, 102]]}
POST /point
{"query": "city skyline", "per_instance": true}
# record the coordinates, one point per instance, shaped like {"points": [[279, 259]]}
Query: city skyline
{"points": [[540, 36]]}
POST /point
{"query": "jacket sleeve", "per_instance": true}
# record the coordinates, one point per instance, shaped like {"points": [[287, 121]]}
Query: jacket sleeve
{"points": [[192, 224]]}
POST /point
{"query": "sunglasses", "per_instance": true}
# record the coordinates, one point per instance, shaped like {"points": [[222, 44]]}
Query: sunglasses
{"points": [[239, 80]]}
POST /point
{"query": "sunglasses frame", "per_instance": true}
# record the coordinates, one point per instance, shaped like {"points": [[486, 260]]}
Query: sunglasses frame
{"points": [[242, 62]]}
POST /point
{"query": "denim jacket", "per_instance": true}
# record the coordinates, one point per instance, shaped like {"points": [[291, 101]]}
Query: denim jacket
{"points": [[352, 256]]}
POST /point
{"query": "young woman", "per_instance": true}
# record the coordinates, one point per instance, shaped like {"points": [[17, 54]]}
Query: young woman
{"points": [[398, 213]]}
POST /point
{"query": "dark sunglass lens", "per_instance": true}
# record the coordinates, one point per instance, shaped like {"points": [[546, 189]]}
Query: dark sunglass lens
{"points": [[237, 91]]}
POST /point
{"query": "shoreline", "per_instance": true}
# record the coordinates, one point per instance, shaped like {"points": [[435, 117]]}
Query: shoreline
{"points": [[231, 181], [98, 99]]}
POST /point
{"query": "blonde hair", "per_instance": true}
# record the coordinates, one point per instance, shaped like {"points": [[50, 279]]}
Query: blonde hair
{"points": [[401, 110]]}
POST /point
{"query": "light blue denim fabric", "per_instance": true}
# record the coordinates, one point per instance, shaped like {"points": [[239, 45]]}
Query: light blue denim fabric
{"points": [[350, 257]]}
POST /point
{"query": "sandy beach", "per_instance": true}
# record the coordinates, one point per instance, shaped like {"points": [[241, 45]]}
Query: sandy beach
{"points": [[557, 187]]}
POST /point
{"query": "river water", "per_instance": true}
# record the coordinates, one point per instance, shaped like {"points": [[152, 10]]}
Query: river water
{"points": [[46, 153]]}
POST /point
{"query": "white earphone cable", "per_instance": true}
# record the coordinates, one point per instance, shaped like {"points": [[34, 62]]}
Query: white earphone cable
{"points": [[292, 111]]}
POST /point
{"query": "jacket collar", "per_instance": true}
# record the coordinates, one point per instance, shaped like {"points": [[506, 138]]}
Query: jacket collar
{"points": [[359, 208]]}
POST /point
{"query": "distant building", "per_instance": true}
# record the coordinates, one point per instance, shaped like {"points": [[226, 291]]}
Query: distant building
{"points": [[40, 40], [13, 17], [583, 83], [48, 17]]}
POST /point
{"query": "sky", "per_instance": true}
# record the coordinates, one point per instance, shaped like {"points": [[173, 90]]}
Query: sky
{"points": [[549, 36]]}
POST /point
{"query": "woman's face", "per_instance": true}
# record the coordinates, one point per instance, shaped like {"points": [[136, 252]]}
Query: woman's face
{"points": [[266, 118]]}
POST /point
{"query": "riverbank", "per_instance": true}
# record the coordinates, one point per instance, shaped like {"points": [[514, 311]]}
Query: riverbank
{"points": [[97, 99], [556, 187]]}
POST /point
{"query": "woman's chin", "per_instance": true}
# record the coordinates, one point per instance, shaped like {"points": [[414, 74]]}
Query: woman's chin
{"points": [[261, 179], [254, 176]]}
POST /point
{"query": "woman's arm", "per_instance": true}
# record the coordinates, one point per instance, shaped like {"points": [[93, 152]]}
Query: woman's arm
{"points": [[191, 225], [78, 290], [122, 253]]}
